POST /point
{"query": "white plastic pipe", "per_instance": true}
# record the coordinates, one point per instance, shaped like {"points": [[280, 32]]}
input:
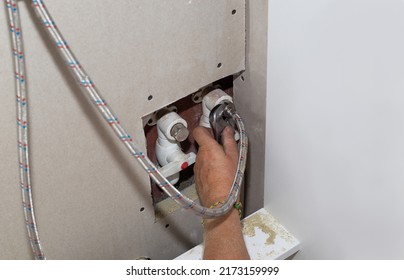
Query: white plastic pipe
{"points": [[168, 151]]}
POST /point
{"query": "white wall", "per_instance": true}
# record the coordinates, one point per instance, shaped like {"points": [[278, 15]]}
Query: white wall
{"points": [[335, 127]]}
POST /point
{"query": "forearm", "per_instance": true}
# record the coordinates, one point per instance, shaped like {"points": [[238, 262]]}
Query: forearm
{"points": [[215, 168], [223, 238]]}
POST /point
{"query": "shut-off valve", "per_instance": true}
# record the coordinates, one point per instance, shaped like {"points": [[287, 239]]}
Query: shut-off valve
{"points": [[171, 130], [217, 110]]}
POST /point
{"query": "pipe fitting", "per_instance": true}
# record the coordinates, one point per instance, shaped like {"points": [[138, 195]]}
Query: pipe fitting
{"points": [[210, 101], [172, 129]]}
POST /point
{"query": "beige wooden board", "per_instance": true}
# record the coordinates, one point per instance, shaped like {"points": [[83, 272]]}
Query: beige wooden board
{"points": [[88, 190], [265, 238]]}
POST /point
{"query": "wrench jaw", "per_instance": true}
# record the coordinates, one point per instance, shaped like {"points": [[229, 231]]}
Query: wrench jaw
{"points": [[220, 117]]}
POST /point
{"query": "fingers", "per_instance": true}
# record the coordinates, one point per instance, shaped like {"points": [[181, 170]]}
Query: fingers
{"points": [[229, 144], [203, 137]]}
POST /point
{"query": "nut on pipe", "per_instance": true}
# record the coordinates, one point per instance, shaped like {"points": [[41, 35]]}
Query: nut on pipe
{"points": [[179, 132]]}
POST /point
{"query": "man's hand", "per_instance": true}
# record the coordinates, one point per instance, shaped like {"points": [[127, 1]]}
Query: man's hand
{"points": [[215, 165], [215, 168]]}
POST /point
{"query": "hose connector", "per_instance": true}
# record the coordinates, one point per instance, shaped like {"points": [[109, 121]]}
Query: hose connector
{"points": [[210, 101], [220, 117]]}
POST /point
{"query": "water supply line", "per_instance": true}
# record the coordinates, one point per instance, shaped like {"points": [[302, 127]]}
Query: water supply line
{"points": [[22, 128], [89, 88]]}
